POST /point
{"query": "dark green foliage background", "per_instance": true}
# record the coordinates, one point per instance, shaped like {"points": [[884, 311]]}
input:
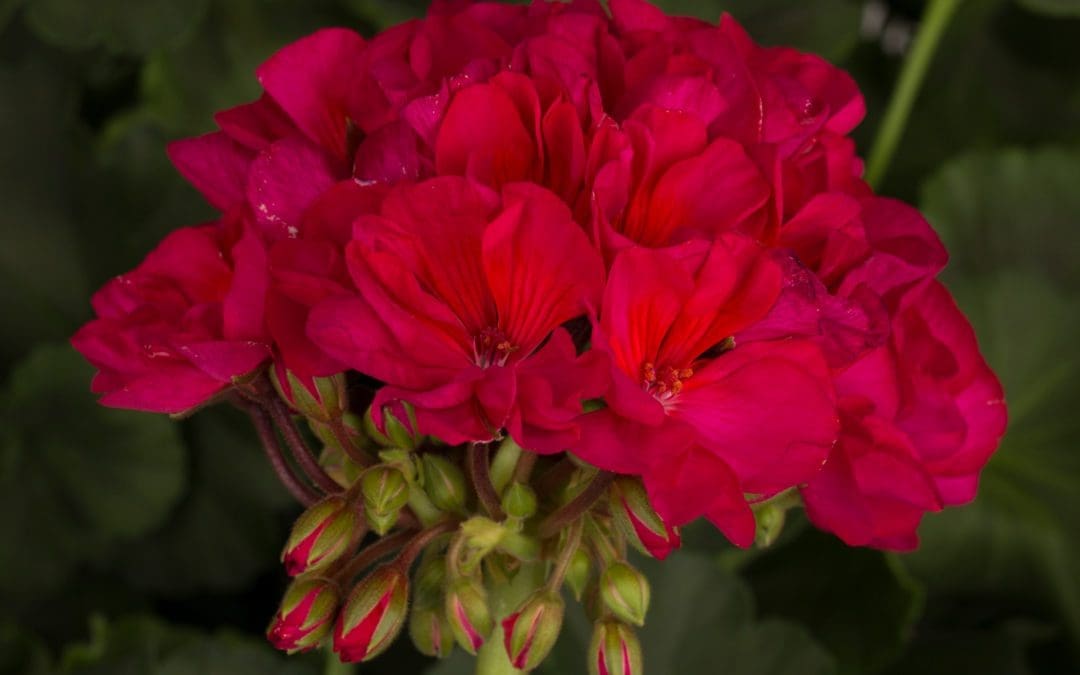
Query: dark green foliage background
{"points": [[133, 544]]}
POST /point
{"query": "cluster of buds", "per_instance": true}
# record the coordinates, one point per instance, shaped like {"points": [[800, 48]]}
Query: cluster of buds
{"points": [[468, 547]]}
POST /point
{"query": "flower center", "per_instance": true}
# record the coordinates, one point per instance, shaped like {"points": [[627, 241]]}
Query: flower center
{"points": [[492, 348], [665, 383]]}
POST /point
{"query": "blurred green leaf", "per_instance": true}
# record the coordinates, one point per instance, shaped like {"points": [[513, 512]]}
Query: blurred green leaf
{"points": [[43, 289], [1066, 8], [702, 620], [76, 476], [137, 26], [826, 27], [1002, 77], [228, 528], [148, 646], [20, 653], [1021, 537], [857, 602], [995, 651]]}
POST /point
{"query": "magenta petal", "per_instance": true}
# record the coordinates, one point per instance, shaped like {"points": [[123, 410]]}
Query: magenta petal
{"points": [[225, 360], [215, 165], [767, 409], [170, 389], [285, 180]]}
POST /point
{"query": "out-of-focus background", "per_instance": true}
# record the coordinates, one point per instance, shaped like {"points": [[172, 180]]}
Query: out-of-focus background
{"points": [[133, 544]]}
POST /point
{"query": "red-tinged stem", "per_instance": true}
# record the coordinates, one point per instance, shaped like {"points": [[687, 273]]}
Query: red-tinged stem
{"points": [[303, 493], [578, 506], [283, 419], [419, 542], [341, 434], [373, 553], [476, 457], [573, 540]]}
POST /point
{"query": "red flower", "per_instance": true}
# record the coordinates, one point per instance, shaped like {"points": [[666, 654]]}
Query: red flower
{"points": [[182, 325], [460, 297], [701, 425], [921, 417]]}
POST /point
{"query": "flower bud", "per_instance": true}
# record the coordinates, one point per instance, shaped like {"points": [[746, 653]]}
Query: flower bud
{"points": [[305, 616], [468, 614], [577, 573], [614, 650], [531, 631], [318, 398], [504, 463], [373, 615], [625, 591], [770, 523], [639, 523], [321, 535], [444, 483], [385, 491], [393, 427], [519, 502], [429, 631]]}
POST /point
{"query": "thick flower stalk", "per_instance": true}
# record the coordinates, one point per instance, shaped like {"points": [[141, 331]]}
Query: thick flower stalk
{"points": [[546, 283]]}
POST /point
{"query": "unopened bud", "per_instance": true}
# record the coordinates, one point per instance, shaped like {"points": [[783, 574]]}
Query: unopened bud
{"points": [[385, 491], [614, 650], [770, 523], [577, 573], [373, 615], [393, 427], [305, 616], [531, 631], [430, 632], [444, 483], [318, 398], [504, 463], [468, 614], [519, 502], [625, 591], [639, 522], [321, 535]]}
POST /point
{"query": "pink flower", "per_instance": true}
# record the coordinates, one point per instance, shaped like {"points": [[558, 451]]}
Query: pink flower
{"points": [[700, 422], [921, 417], [183, 325], [460, 295]]}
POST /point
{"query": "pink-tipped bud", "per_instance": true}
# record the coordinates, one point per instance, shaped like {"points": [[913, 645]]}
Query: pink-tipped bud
{"points": [[639, 523], [393, 427], [321, 535], [373, 615], [625, 592], [468, 613], [318, 398], [615, 650], [429, 631], [531, 631], [305, 616]]}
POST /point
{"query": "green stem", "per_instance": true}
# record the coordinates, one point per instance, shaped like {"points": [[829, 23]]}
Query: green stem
{"points": [[931, 28], [334, 666]]}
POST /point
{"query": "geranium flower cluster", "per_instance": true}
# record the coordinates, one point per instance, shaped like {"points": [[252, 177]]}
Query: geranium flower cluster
{"points": [[626, 243]]}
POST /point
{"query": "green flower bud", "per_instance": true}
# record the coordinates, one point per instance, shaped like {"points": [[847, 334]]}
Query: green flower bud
{"points": [[398, 428], [321, 535], [373, 616], [468, 613], [318, 398], [430, 632], [444, 483], [386, 492], [531, 631], [305, 616], [614, 650], [578, 572], [519, 502], [625, 592]]}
